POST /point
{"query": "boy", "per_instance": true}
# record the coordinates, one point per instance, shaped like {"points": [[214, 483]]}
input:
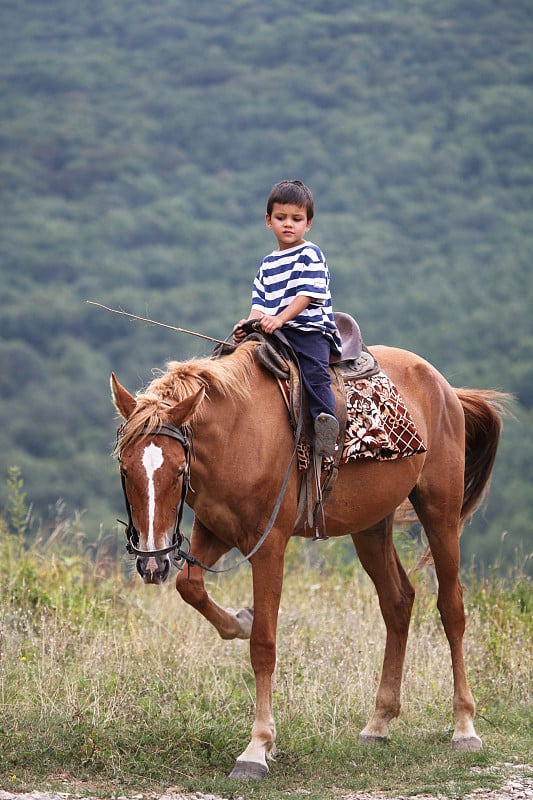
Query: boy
{"points": [[291, 291]]}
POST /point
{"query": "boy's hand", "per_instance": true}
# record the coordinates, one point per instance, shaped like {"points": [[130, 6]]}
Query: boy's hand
{"points": [[238, 333], [267, 324], [270, 324]]}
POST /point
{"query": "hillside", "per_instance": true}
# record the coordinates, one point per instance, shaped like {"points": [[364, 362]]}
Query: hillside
{"points": [[138, 145]]}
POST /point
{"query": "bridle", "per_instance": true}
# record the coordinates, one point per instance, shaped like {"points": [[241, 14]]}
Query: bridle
{"points": [[180, 557], [132, 535]]}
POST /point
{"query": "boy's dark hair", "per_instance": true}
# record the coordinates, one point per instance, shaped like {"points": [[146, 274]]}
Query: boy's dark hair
{"points": [[291, 192]]}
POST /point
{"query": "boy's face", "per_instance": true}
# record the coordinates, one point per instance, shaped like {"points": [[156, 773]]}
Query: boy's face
{"points": [[289, 224]]}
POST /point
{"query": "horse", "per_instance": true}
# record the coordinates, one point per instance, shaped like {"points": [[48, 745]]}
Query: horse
{"points": [[215, 433]]}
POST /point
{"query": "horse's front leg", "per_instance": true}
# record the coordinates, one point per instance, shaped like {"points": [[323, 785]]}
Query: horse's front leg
{"points": [[267, 569], [208, 549]]}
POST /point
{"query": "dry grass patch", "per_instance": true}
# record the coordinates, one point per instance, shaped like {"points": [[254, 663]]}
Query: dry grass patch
{"points": [[106, 680]]}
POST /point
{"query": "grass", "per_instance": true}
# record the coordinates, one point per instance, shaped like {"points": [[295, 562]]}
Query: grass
{"points": [[110, 686]]}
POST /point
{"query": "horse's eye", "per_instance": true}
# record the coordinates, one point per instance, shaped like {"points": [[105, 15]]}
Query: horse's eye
{"points": [[179, 474]]}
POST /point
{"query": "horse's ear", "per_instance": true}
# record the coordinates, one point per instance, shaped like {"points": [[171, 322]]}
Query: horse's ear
{"points": [[184, 410], [123, 400]]}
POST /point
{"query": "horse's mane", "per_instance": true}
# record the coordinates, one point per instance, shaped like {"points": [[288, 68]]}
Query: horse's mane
{"points": [[230, 376]]}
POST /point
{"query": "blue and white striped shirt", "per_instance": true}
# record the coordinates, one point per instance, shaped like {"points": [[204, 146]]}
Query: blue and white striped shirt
{"points": [[286, 274]]}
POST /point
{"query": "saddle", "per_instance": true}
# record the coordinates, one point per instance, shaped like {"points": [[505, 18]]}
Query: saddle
{"points": [[354, 362]]}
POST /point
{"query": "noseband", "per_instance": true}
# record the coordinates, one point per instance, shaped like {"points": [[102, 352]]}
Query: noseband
{"points": [[132, 534]]}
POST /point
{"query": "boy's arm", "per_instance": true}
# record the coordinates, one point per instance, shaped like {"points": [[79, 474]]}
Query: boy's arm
{"points": [[270, 324], [295, 307]]}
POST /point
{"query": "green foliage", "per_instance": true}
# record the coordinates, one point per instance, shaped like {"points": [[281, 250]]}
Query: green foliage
{"points": [[18, 512], [138, 147], [54, 575]]}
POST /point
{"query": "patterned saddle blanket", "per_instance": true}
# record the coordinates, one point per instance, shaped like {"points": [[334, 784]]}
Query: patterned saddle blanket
{"points": [[378, 424]]}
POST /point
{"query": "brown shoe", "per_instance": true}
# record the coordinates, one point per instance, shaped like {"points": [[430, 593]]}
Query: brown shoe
{"points": [[326, 432]]}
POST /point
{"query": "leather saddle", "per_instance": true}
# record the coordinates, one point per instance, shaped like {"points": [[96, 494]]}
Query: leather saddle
{"points": [[354, 362]]}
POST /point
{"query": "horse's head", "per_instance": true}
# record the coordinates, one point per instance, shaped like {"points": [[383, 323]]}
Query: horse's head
{"points": [[153, 450]]}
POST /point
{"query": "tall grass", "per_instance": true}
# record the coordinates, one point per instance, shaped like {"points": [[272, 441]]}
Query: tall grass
{"points": [[109, 682]]}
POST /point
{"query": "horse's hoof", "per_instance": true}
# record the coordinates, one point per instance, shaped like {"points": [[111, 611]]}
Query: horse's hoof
{"points": [[245, 618], [367, 739], [467, 744], [248, 769]]}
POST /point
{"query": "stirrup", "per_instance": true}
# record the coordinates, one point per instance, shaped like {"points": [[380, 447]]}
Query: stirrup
{"points": [[318, 511]]}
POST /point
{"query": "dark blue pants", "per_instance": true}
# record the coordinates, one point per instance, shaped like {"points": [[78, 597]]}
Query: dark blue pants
{"points": [[313, 350]]}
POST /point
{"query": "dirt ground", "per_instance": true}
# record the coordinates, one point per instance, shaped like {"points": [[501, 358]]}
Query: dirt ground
{"points": [[519, 787]]}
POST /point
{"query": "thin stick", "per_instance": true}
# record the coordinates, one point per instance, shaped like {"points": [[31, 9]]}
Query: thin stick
{"points": [[154, 322]]}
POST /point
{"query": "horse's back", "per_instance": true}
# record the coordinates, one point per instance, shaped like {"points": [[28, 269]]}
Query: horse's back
{"points": [[430, 399], [397, 363]]}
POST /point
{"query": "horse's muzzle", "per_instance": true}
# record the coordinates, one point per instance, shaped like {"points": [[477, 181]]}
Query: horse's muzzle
{"points": [[153, 569]]}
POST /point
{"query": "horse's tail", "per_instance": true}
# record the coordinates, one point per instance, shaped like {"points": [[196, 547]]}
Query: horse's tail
{"points": [[483, 410]]}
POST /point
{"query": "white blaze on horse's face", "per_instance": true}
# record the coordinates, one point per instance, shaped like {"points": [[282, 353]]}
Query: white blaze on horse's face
{"points": [[152, 460]]}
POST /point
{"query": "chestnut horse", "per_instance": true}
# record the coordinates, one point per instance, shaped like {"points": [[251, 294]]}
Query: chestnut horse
{"points": [[233, 414]]}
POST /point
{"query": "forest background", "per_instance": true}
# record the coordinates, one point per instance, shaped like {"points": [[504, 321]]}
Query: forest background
{"points": [[138, 144]]}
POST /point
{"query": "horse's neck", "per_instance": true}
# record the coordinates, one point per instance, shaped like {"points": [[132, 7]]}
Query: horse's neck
{"points": [[231, 433]]}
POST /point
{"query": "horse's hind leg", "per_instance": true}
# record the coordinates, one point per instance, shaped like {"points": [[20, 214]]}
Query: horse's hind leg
{"points": [[378, 556], [442, 528]]}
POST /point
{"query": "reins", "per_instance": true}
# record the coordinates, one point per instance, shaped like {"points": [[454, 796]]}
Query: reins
{"points": [[273, 516]]}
